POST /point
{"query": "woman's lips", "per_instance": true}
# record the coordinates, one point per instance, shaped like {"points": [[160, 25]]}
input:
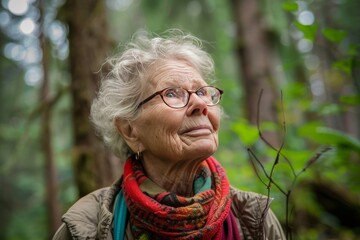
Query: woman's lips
{"points": [[198, 131]]}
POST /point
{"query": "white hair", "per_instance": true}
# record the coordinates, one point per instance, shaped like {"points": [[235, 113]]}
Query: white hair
{"points": [[121, 90]]}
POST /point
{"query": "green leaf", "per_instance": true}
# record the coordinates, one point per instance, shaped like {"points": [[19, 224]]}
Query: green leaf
{"points": [[350, 99], [330, 109], [247, 133], [290, 6], [308, 129], [343, 65], [309, 31], [325, 135], [268, 126], [297, 157], [353, 50], [339, 138], [334, 35]]}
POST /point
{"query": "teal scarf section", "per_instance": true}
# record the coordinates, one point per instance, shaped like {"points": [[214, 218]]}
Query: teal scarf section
{"points": [[120, 217]]}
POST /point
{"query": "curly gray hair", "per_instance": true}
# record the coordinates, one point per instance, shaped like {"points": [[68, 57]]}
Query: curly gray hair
{"points": [[121, 90]]}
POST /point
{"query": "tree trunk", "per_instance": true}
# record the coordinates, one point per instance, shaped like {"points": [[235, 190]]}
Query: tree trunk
{"points": [[53, 209], [256, 63], [89, 45]]}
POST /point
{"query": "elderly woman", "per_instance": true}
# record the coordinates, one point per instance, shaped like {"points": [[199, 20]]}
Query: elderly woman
{"points": [[158, 110]]}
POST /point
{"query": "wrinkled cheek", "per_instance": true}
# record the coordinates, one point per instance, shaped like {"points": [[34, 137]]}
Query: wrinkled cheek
{"points": [[174, 143], [215, 121], [167, 141], [216, 141]]}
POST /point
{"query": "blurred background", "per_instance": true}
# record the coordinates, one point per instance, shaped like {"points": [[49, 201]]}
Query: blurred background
{"points": [[291, 75]]}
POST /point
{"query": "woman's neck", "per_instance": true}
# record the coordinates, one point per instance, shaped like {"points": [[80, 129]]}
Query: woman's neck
{"points": [[177, 178]]}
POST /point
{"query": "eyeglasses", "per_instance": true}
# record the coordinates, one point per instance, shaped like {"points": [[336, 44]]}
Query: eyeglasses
{"points": [[176, 97]]}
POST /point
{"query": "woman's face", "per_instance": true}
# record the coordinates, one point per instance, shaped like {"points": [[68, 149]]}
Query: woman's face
{"points": [[169, 134]]}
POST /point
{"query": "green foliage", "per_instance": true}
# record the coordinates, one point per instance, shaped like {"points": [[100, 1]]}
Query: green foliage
{"points": [[344, 65], [309, 31], [308, 127], [246, 132], [334, 35], [316, 132], [350, 99], [290, 6]]}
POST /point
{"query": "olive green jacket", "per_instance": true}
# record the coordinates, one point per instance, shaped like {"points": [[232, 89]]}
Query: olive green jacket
{"points": [[91, 217]]}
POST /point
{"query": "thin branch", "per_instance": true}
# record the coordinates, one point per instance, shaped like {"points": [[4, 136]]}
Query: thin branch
{"points": [[252, 155], [279, 151], [279, 154], [312, 160], [264, 171]]}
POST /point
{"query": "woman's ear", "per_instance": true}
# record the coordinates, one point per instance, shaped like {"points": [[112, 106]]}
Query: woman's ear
{"points": [[127, 131]]}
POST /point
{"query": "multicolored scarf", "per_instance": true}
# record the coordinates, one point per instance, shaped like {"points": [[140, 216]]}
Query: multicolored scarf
{"points": [[157, 214]]}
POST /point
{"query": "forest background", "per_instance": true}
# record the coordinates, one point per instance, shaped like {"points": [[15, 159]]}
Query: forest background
{"points": [[289, 69]]}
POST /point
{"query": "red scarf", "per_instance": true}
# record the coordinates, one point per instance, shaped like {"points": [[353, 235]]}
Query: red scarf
{"points": [[167, 216]]}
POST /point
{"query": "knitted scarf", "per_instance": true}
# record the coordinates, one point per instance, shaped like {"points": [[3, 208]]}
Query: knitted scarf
{"points": [[157, 214]]}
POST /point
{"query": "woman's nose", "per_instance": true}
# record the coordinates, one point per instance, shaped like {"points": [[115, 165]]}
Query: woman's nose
{"points": [[196, 105]]}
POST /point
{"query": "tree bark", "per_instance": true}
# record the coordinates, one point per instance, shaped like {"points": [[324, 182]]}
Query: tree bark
{"points": [[89, 45], [256, 63], [52, 203]]}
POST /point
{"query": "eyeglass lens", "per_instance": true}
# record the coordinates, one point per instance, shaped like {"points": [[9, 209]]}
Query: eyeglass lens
{"points": [[178, 97]]}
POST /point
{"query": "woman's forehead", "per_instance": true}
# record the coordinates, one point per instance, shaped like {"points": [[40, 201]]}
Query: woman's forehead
{"points": [[174, 72]]}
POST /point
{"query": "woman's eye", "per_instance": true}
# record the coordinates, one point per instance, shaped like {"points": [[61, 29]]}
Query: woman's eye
{"points": [[201, 92], [171, 93]]}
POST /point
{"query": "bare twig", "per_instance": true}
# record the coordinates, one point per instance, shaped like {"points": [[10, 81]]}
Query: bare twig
{"points": [[251, 153], [279, 154]]}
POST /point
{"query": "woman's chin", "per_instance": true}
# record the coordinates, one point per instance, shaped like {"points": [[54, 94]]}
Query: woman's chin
{"points": [[202, 147]]}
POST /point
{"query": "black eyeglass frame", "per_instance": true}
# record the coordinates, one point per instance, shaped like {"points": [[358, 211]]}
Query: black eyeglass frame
{"points": [[188, 99]]}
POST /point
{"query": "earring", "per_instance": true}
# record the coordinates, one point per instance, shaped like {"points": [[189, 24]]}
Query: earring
{"points": [[137, 155]]}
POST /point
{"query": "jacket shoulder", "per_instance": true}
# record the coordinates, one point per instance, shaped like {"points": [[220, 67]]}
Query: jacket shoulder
{"points": [[82, 219], [62, 233], [248, 201], [256, 219]]}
